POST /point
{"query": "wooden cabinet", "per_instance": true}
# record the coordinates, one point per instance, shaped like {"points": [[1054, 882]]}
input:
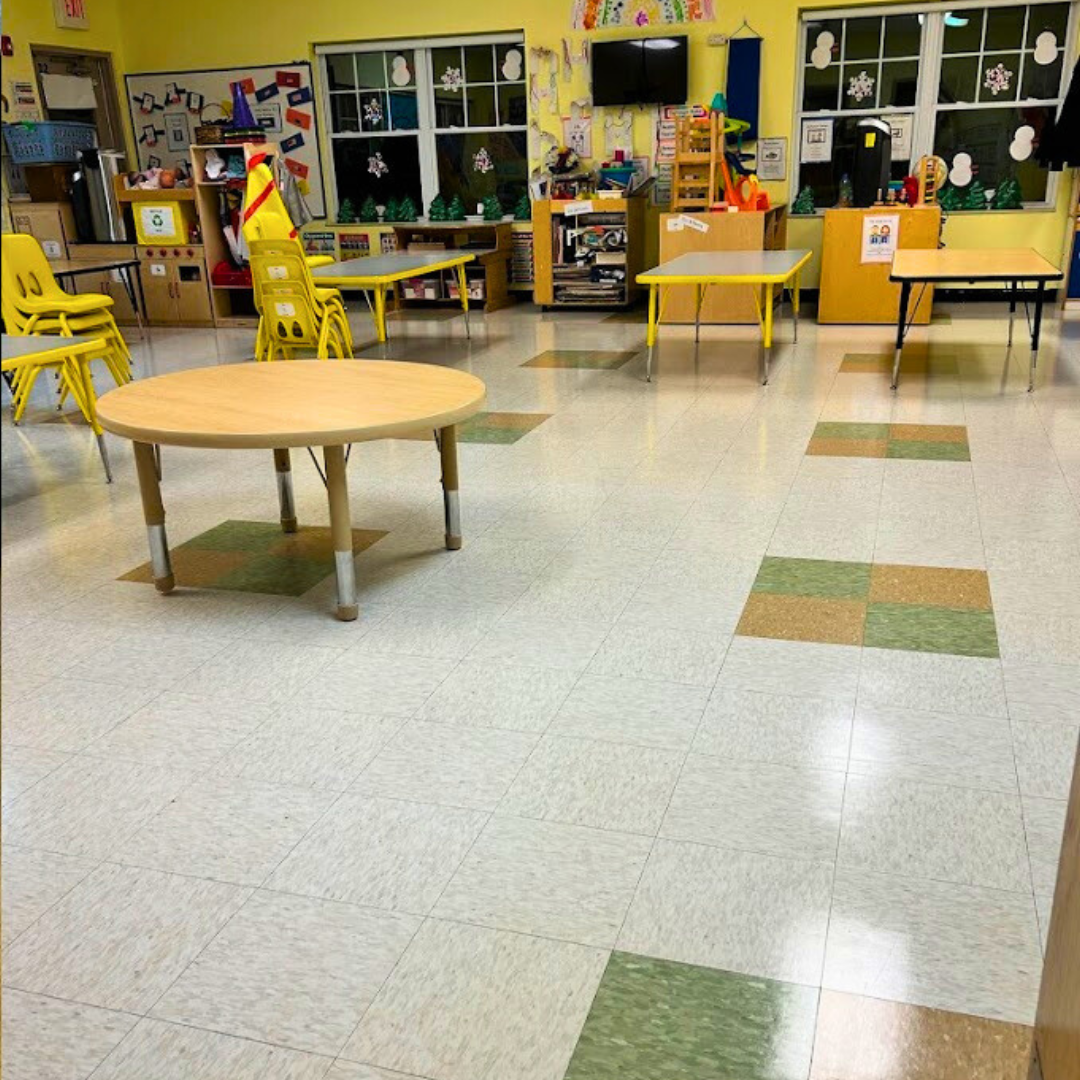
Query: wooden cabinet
{"points": [[853, 291], [175, 286], [52, 224], [746, 230]]}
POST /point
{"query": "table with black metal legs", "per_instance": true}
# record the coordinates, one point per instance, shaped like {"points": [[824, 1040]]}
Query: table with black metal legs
{"points": [[129, 269], [1013, 267]]}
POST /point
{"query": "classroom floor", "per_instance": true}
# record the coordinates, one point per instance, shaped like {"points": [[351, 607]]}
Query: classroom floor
{"points": [[733, 745]]}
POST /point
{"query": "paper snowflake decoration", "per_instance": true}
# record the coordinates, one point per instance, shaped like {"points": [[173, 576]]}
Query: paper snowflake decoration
{"points": [[373, 113], [998, 79], [451, 79], [861, 86], [376, 166], [482, 162]]}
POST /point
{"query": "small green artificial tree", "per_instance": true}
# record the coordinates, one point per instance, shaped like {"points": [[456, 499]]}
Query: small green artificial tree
{"points": [[1007, 195], [391, 211], [346, 212], [437, 210], [975, 199], [369, 212], [523, 209], [406, 210], [951, 198], [456, 210], [804, 201], [493, 210]]}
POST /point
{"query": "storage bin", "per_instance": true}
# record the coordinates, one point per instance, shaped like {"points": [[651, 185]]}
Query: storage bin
{"points": [[165, 222], [48, 142]]}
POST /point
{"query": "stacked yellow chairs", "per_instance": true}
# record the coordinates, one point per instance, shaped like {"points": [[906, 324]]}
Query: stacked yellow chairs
{"points": [[292, 313], [31, 302]]}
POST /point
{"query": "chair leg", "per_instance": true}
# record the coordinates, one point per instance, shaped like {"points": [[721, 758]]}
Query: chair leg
{"points": [[25, 387]]}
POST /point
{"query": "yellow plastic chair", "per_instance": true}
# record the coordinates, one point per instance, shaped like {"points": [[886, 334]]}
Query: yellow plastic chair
{"points": [[33, 303], [292, 314]]}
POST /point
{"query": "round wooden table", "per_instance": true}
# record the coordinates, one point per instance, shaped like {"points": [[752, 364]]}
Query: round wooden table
{"points": [[327, 403]]}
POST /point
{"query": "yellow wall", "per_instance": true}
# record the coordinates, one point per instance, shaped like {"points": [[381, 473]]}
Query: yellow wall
{"points": [[227, 33]]}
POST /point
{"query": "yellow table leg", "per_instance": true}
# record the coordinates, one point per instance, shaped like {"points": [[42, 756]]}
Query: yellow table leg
{"points": [[650, 337], [463, 290], [380, 313], [767, 330], [795, 308]]}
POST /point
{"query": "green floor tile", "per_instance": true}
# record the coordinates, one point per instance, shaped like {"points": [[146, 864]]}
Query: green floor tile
{"points": [[813, 577], [277, 575], [920, 628], [928, 451], [246, 536], [659, 1020], [836, 429]]}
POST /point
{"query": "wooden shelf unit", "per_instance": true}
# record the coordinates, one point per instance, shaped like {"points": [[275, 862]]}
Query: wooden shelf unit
{"points": [[746, 230], [550, 249]]}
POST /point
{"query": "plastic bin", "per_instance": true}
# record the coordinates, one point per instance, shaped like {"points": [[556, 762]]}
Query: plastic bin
{"points": [[48, 142]]}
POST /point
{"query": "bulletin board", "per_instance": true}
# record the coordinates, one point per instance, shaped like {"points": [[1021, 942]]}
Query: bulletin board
{"points": [[165, 108]]}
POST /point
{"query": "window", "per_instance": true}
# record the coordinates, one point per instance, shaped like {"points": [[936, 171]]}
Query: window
{"points": [[981, 81], [421, 118]]}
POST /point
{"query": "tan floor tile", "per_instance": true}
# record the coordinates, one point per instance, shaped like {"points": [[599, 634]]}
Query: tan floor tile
{"points": [[196, 568], [861, 1038], [803, 618], [872, 448], [932, 585], [950, 433]]}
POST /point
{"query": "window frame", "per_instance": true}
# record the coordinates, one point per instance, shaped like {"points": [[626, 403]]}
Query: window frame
{"points": [[424, 80], [926, 107]]}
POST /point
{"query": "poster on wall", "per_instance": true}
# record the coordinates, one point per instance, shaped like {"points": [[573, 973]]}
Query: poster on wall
{"points": [[593, 14], [165, 109], [772, 158], [815, 143], [880, 235], [901, 125]]}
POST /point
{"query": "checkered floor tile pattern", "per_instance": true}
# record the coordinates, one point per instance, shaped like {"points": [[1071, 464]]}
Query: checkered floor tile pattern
{"points": [[915, 608], [603, 360], [491, 427], [922, 442], [256, 557]]}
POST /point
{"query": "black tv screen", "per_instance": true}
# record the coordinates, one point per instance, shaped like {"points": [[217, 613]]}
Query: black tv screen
{"points": [[639, 71]]}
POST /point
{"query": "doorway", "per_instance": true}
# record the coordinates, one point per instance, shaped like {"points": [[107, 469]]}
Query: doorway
{"points": [[94, 102]]}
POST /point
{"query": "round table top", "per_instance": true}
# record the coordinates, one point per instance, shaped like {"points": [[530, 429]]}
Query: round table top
{"points": [[290, 403]]}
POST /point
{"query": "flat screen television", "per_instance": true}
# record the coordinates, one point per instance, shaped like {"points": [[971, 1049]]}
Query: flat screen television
{"points": [[639, 71]]}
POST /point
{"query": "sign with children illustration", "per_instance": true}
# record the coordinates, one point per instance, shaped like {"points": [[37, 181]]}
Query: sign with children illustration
{"points": [[880, 235]]}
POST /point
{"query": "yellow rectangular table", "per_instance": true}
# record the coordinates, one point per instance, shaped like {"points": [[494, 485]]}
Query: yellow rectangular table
{"points": [[377, 272], [757, 270], [958, 266]]}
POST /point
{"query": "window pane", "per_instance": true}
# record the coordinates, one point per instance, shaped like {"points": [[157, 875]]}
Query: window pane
{"points": [[862, 40], [344, 112], [478, 64], [820, 88], [403, 110], [814, 37], [999, 77], [898, 82], [379, 167], [824, 177], [481, 106], [370, 70], [373, 111], [449, 108], [963, 31], [958, 77], [903, 33], [459, 173], [401, 67], [1004, 28], [445, 63], [1041, 80], [510, 60], [340, 72], [986, 134], [859, 87], [513, 104], [1052, 17]]}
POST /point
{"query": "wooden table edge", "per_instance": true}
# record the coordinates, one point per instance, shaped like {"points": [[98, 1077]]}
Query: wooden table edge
{"points": [[649, 278]]}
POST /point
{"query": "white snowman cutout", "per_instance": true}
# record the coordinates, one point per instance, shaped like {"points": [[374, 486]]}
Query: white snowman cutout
{"points": [[821, 54], [960, 174], [1046, 48], [511, 66], [1021, 147], [399, 71]]}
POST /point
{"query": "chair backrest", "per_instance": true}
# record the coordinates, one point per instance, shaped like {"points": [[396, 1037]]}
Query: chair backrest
{"points": [[265, 215], [285, 293], [26, 271]]}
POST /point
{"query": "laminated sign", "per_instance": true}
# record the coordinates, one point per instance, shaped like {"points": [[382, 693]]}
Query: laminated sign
{"points": [[880, 234]]}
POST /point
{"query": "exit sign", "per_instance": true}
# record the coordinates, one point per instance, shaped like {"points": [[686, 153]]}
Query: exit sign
{"points": [[71, 14]]}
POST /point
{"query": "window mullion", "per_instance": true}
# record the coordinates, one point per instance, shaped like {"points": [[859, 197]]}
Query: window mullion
{"points": [[425, 137], [933, 41]]}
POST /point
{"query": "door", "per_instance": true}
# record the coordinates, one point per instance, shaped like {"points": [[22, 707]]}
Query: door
{"points": [[95, 66], [192, 295], [159, 290]]}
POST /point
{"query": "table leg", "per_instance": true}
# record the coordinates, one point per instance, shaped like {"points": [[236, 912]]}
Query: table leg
{"points": [[1036, 327], [129, 288], [901, 321], [463, 291], [341, 530], [154, 513], [283, 468], [698, 294], [451, 505], [793, 296], [650, 337], [380, 313], [767, 331], [82, 373], [1013, 290]]}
